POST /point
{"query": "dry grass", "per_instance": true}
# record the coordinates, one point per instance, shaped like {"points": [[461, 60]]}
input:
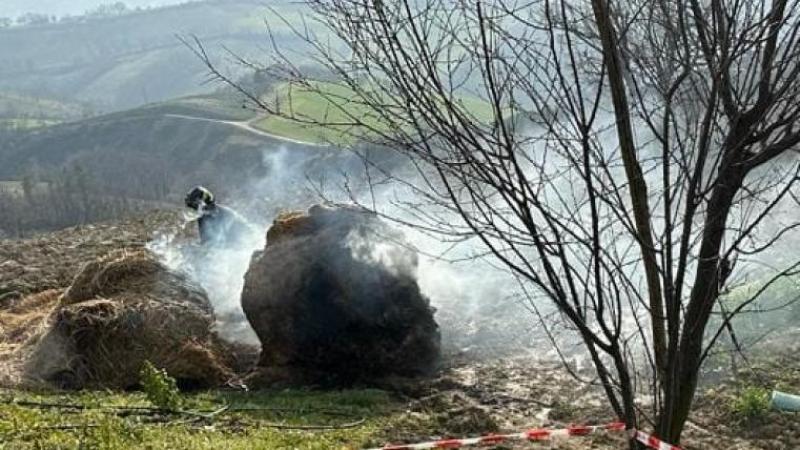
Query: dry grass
{"points": [[20, 326]]}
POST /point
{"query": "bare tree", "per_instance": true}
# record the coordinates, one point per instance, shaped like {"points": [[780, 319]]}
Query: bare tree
{"points": [[619, 157]]}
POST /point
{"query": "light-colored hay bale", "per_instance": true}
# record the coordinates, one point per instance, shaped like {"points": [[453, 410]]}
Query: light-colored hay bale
{"points": [[133, 272], [124, 309]]}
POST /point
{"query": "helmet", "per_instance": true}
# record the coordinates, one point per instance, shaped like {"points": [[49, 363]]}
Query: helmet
{"points": [[198, 197]]}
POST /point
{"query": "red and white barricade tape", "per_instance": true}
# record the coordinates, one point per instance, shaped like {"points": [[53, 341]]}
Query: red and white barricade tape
{"points": [[652, 441], [536, 434]]}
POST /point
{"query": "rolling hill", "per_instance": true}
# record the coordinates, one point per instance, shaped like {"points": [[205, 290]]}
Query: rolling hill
{"points": [[25, 112], [334, 103], [112, 165], [117, 63], [155, 144], [14, 8]]}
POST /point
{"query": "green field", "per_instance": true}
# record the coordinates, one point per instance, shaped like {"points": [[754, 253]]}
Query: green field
{"points": [[328, 105], [331, 103], [257, 420]]}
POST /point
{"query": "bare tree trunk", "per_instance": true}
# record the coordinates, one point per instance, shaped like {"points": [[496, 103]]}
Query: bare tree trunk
{"points": [[633, 171], [704, 294]]}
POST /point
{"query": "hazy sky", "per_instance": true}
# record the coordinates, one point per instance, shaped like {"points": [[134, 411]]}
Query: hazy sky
{"points": [[14, 8]]}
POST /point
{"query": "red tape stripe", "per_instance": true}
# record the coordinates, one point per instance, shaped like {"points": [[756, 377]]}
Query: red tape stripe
{"points": [[653, 442], [449, 443], [491, 440], [616, 426], [537, 434], [579, 430]]}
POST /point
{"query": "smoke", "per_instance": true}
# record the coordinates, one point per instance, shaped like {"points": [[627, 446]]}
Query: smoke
{"points": [[217, 269], [478, 306]]}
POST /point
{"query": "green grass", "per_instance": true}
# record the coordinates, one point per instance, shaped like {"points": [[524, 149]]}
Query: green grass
{"points": [[32, 427], [752, 402], [331, 103], [326, 107]]}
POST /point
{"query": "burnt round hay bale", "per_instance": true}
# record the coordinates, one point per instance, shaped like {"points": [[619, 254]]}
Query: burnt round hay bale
{"points": [[333, 298], [125, 309]]}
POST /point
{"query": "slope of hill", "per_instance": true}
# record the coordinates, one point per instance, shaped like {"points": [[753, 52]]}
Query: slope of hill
{"points": [[115, 63], [19, 112], [14, 8], [330, 102], [107, 166], [152, 145]]}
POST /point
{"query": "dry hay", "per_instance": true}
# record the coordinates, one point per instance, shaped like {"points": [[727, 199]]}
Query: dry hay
{"points": [[21, 324], [289, 224], [121, 310], [325, 312], [133, 273]]}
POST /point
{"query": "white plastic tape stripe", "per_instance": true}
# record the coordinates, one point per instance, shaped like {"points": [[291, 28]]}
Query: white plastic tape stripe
{"points": [[653, 442], [538, 434]]}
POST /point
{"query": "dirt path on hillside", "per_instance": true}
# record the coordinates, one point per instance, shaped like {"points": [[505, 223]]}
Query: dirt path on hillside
{"points": [[247, 126]]}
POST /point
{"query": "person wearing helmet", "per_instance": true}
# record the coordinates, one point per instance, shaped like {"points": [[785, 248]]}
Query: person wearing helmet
{"points": [[217, 224]]}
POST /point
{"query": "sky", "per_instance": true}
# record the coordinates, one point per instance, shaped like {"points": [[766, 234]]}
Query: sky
{"points": [[14, 8]]}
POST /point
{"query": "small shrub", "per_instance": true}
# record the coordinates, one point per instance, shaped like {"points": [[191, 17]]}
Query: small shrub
{"points": [[752, 402], [160, 388]]}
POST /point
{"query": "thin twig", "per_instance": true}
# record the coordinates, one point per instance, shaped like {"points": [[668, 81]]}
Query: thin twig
{"points": [[343, 426]]}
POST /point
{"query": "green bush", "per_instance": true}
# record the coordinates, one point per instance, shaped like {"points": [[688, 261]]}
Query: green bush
{"points": [[752, 402], [160, 388]]}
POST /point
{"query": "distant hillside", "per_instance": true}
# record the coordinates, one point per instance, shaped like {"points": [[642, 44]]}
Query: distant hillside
{"points": [[129, 152], [14, 8], [117, 63], [26, 112], [109, 166]]}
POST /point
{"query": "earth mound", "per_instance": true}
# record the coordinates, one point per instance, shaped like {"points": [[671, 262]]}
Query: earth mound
{"points": [[121, 310], [333, 299]]}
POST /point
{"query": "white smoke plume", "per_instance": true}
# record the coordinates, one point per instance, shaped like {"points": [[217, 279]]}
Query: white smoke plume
{"points": [[476, 304], [218, 270]]}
